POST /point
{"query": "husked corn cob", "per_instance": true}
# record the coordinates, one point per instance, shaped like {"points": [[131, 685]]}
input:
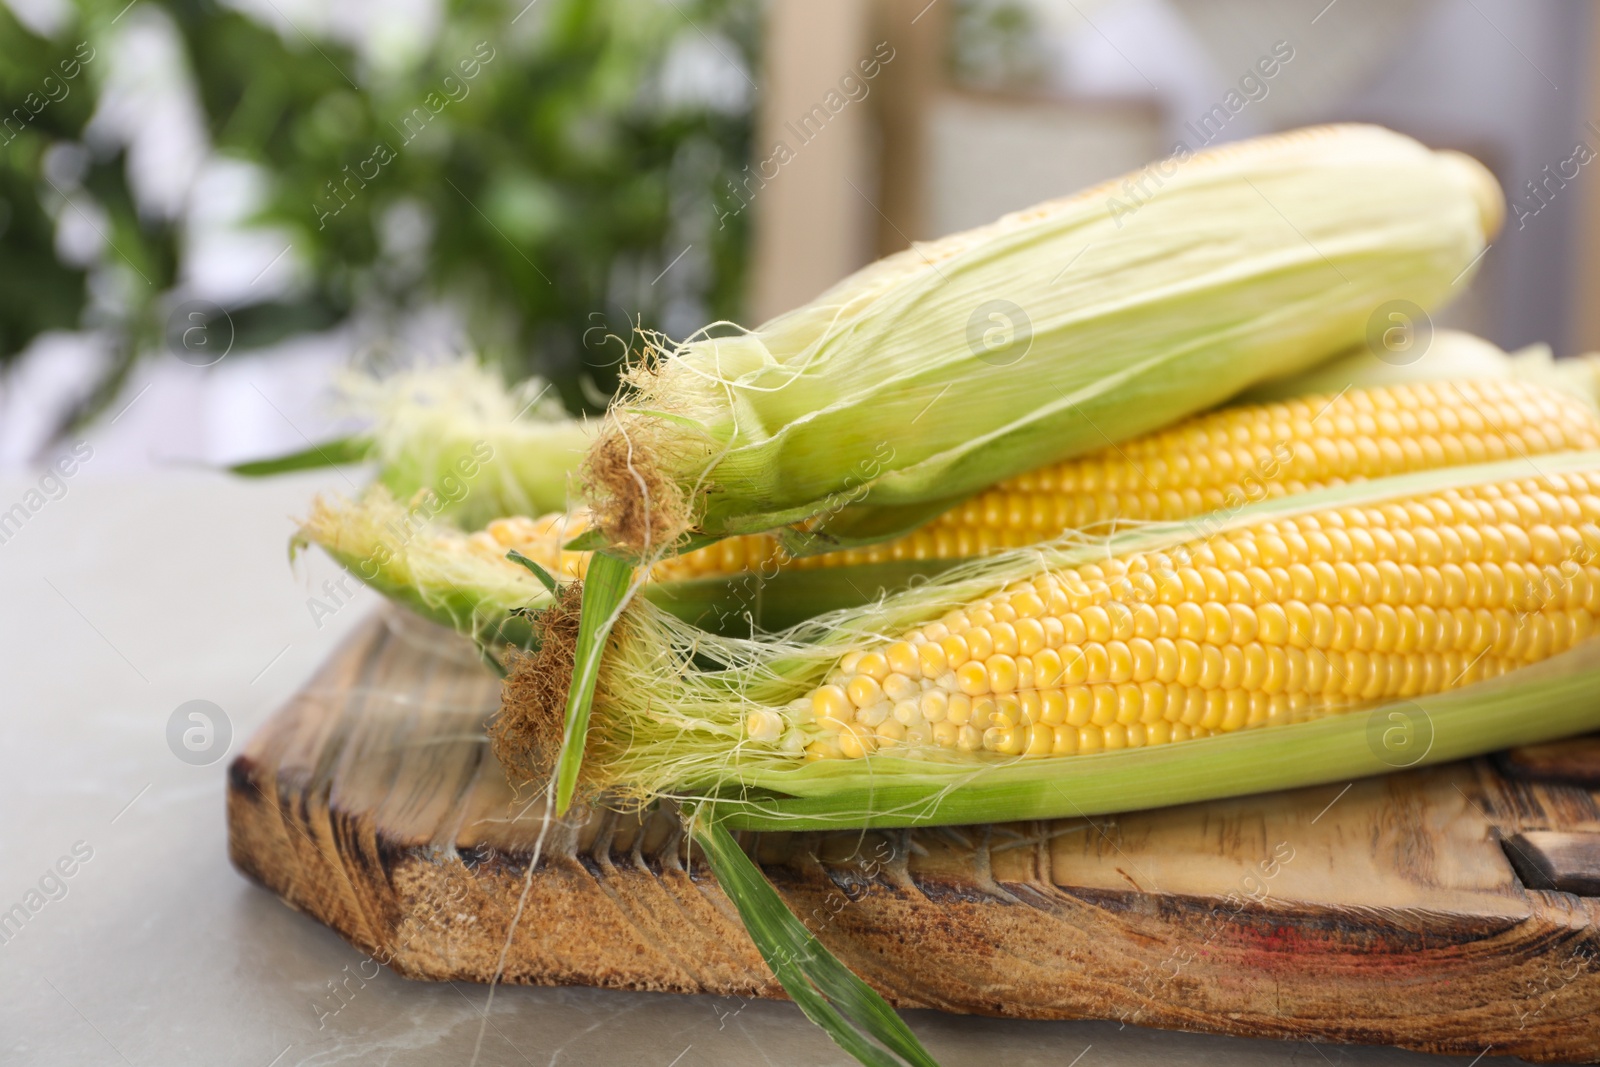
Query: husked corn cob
{"points": [[1459, 601], [1272, 623], [1223, 459], [1252, 452]]}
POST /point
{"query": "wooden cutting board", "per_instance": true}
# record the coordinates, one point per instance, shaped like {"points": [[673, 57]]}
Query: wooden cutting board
{"points": [[1450, 909]]}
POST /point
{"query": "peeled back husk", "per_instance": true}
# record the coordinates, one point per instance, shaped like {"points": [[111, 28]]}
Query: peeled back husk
{"points": [[485, 448], [410, 553], [1053, 331]]}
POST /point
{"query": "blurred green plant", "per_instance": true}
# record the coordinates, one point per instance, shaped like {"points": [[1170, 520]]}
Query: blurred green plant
{"points": [[48, 95], [545, 168], [997, 45]]}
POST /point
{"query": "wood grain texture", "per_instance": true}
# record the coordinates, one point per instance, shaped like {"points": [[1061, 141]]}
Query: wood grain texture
{"points": [[1382, 912], [1575, 760]]}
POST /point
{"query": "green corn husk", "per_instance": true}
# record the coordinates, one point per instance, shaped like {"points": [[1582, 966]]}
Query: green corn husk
{"points": [[404, 553], [832, 997], [672, 703], [401, 551], [486, 450], [956, 363], [1452, 355]]}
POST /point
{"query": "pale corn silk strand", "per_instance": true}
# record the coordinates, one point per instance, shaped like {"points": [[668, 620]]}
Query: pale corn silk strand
{"points": [[674, 704], [778, 413]]}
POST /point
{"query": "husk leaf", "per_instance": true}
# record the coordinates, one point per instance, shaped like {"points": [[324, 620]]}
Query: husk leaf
{"points": [[1053, 331]]}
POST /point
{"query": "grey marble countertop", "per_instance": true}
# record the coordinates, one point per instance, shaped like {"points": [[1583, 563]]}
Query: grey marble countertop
{"points": [[124, 599]]}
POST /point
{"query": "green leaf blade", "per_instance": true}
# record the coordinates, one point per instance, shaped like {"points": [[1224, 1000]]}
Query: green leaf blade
{"points": [[339, 452], [606, 588], [825, 989], [590, 540], [546, 579]]}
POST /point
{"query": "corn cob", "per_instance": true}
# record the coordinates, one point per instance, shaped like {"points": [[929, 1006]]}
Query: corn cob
{"points": [[1220, 460], [1208, 290], [1445, 591], [1270, 624]]}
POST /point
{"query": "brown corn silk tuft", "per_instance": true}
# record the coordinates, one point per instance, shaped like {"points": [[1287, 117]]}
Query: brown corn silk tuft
{"points": [[526, 735], [633, 501]]}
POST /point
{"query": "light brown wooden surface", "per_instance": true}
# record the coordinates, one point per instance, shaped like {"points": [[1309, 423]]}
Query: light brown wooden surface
{"points": [[1385, 912]]}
